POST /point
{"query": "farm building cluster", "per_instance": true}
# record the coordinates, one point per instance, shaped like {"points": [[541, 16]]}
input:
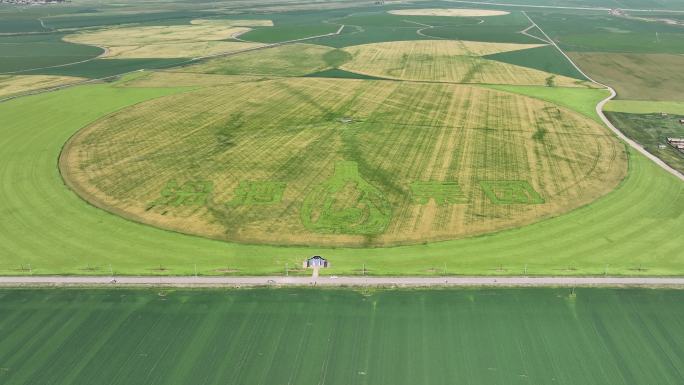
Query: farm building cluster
{"points": [[677, 143]]}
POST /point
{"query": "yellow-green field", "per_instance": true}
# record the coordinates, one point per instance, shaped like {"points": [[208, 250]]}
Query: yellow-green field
{"points": [[200, 38], [287, 60], [16, 84], [448, 61], [342, 162]]}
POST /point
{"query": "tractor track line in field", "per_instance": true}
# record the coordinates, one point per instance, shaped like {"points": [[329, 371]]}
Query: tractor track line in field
{"points": [[332, 281], [602, 103]]}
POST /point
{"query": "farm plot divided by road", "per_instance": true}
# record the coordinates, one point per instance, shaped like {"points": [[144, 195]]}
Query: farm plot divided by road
{"points": [[449, 61], [342, 162]]}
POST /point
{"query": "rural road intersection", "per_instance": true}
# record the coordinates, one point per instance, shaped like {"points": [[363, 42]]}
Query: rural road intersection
{"points": [[330, 281]]}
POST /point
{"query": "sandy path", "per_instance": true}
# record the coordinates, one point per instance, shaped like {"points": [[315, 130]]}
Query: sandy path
{"points": [[340, 281]]}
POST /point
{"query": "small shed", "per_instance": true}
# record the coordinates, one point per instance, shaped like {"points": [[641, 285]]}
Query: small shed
{"points": [[681, 121], [316, 261]]}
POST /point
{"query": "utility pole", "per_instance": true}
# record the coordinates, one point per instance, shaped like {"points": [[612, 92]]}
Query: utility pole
{"points": [[111, 271], [287, 271], [195, 270], [364, 269], [525, 270]]}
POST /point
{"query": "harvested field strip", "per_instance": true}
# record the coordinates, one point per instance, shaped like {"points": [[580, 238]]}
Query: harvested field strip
{"points": [[448, 61], [341, 337], [630, 230], [197, 39], [16, 84], [396, 133]]}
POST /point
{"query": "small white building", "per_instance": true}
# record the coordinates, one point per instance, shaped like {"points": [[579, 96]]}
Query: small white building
{"points": [[315, 261]]}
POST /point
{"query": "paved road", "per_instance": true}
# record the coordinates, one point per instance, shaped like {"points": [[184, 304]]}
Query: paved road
{"points": [[340, 281], [599, 109]]}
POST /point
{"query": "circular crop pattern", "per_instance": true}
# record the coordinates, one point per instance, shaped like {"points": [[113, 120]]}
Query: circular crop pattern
{"points": [[342, 162]]}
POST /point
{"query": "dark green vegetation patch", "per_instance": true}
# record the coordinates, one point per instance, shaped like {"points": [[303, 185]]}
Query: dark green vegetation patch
{"points": [[20, 53], [341, 337], [545, 58], [336, 73]]}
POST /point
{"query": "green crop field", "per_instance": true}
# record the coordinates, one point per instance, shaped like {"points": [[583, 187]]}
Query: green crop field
{"points": [[305, 336]]}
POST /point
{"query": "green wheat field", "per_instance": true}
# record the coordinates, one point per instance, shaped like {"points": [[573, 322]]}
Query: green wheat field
{"points": [[346, 337]]}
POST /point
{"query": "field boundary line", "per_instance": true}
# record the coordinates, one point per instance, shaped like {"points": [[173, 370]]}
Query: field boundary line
{"points": [[332, 281], [602, 103]]}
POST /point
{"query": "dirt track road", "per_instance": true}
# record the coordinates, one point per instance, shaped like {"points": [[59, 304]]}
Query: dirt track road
{"points": [[341, 281]]}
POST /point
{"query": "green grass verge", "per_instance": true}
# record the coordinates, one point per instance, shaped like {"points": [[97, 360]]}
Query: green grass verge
{"points": [[632, 230], [582, 100], [345, 337], [645, 107]]}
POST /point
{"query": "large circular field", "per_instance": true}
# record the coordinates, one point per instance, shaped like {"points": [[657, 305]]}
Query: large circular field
{"points": [[342, 162]]}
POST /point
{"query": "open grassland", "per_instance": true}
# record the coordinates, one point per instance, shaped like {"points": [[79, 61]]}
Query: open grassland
{"points": [[430, 162], [652, 131], [655, 77], [287, 60], [459, 12], [448, 61], [345, 337], [645, 107], [16, 84], [202, 37], [46, 229]]}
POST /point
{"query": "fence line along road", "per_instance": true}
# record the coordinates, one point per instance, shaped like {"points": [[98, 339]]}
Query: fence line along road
{"points": [[332, 281]]}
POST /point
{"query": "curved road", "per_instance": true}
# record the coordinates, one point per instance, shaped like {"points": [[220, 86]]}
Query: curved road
{"points": [[599, 109]]}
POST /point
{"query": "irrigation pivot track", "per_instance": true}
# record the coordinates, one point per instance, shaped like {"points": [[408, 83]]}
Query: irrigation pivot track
{"points": [[331, 281]]}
